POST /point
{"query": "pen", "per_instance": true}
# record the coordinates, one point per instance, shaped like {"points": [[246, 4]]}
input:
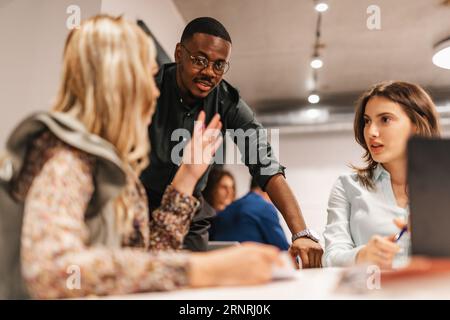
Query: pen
{"points": [[400, 234], [299, 261]]}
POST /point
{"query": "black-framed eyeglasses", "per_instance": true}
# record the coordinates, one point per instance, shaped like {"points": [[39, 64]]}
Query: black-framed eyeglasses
{"points": [[220, 67]]}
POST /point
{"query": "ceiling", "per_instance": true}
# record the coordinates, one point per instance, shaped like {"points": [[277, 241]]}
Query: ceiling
{"points": [[273, 43]]}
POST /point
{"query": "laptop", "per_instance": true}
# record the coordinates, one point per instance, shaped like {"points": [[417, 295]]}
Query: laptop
{"points": [[429, 196], [214, 245]]}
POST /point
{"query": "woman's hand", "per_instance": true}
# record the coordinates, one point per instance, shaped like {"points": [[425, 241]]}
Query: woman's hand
{"points": [[247, 264], [401, 223], [379, 250], [198, 153]]}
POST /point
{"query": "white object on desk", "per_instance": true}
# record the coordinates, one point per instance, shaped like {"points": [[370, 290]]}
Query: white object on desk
{"points": [[306, 284], [214, 245], [286, 270]]}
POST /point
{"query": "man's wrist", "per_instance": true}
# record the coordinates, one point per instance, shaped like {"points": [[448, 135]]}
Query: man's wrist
{"points": [[306, 233]]}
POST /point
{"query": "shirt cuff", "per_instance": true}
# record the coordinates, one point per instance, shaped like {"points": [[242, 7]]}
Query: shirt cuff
{"points": [[341, 258], [173, 268], [177, 202], [266, 173]]}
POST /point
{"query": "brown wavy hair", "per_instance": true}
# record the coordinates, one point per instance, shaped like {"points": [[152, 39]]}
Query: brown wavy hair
{"points": [[214, 178], [415, 102]]}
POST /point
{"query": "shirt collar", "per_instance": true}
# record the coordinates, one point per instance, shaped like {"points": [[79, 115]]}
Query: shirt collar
{"points": [[201, 103], [380, 172]]}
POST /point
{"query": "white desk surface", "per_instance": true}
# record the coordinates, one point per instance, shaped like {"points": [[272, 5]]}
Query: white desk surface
{"points": [[309, 284]]}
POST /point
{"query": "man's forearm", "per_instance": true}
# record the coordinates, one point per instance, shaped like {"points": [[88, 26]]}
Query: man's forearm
{"points": [[284, 199]]}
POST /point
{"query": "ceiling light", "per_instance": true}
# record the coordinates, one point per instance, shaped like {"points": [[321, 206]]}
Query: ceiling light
{"points": [[321, 7], [316, 63], [441, 57], [316, 115], [313, 98], [312, 114]]}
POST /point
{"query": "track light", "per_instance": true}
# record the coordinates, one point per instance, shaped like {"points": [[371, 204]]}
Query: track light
{"points": [[441, 57], [316, 63], [313, 98], [321, 6]]}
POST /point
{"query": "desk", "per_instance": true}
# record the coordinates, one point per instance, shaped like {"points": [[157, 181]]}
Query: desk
{"points": [[309, 284]]}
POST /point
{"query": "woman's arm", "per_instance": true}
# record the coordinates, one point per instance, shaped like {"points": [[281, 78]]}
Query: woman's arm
{"points": [[170, 223], [340, 250], [56, 262]]}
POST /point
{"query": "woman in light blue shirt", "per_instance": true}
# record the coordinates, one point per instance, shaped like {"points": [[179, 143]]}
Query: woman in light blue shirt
{"points": [[363, 205]]}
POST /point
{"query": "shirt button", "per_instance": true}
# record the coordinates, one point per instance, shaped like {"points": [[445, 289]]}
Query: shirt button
{"points": [[188, 114]]}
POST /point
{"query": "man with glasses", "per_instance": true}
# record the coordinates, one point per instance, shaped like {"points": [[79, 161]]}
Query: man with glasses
{"points": [[192, 84]]}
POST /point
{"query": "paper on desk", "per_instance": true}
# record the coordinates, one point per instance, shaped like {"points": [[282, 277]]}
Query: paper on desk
{"points": [[287, 270]]}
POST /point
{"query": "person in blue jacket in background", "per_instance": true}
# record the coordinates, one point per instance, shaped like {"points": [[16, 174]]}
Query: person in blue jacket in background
{"points": [[250, 218]]}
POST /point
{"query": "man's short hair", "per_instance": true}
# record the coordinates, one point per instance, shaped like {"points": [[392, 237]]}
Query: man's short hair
{"points": [[206, 25]]}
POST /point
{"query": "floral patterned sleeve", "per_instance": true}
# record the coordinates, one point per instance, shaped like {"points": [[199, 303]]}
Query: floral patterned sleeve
{"points": [[170, 223], [54, 237]]}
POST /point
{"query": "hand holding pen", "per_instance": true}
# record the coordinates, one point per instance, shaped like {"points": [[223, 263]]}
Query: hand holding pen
{"points": [[400, 234], [403, 226]]}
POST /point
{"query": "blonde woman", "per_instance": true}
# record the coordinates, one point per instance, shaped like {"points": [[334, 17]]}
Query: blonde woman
{"points": [[72, 176]]}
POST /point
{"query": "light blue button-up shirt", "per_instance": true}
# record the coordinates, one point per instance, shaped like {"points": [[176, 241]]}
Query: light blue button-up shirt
{"points": [[355, 214]]}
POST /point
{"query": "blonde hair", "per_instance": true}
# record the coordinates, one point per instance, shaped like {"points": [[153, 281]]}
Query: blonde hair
{"points": [[107, 84]]}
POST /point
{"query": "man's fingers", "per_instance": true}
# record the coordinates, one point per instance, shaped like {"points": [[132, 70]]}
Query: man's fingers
{"points": [[295, 256], [312, 259], [305, 259], [293, 251], [318, 259]]}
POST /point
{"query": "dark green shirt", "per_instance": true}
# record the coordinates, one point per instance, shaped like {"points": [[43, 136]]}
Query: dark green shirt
{"points": [[171, 114]]}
